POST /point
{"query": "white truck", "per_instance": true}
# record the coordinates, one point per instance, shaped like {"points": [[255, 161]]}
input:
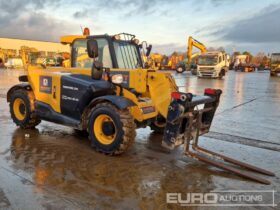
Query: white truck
{"points": [[212, 64]]}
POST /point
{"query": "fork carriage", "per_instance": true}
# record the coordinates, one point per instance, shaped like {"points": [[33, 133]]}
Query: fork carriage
{"points": [[185, 123]]}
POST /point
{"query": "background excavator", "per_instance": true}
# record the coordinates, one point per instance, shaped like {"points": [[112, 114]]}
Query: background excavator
{"points": [[190, 55], [176, 61], [194, 43], [188, 64]]}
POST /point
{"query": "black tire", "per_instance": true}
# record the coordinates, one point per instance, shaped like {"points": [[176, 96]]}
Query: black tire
{"points": [[222, 73], [124, 129], [180, 69], [194, 71], [158, 125], [27, 98], [273, 74], [157, 129]]}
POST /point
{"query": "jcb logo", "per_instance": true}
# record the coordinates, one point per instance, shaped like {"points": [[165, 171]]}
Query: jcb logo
{"points": [[46, 84]]}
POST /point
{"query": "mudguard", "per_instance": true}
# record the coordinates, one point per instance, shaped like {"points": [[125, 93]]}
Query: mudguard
{"points": [[25, 86], [118, 101]]}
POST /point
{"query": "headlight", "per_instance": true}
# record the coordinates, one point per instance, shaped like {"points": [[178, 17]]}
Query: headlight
{"points": [[117, 78]]}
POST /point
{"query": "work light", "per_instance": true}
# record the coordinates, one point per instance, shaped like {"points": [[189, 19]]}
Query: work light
{"points": [[117, 78]]}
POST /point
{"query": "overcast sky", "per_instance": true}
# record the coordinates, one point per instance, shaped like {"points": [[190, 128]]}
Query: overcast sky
{"points": [[233, 24]]}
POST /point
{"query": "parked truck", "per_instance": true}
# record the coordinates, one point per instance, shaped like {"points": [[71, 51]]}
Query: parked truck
{"points": [[275, 64], [242, 63], [212, 64]]}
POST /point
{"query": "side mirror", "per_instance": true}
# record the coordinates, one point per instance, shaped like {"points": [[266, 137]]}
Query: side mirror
{"points": [[92, 48], [149, 49]]}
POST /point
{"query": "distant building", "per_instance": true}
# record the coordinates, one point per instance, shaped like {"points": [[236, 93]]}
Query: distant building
{"points": [[45, 48]]}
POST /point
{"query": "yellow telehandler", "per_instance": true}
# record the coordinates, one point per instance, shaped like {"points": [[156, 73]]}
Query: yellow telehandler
{"points": [[108, 93]]}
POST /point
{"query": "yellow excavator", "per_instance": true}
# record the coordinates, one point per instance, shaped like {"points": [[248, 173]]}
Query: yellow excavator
{"points": [[194, 43], [190, 55], [187, 63]]}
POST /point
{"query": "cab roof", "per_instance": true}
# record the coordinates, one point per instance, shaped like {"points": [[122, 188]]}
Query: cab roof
{"points": [[70, 38]]}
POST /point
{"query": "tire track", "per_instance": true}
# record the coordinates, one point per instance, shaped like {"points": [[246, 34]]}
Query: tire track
{"points": [[243, 140]]}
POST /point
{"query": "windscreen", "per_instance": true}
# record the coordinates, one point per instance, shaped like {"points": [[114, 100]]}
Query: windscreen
{"points": [[80, 55], [127, 55], [208, 60]]}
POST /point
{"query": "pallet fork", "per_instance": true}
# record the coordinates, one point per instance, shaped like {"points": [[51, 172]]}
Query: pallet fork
{"points": [[185, 123]]}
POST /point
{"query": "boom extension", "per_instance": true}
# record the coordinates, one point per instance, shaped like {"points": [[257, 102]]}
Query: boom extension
{"points": [[185, 123]]}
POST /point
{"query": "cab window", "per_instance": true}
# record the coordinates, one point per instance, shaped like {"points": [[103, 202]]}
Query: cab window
{"points": [[80, 56], [220, 59]]}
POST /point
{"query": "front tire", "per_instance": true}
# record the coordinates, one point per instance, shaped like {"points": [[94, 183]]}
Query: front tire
{"points": [[22, 110], [222, 73], [111, 130]]}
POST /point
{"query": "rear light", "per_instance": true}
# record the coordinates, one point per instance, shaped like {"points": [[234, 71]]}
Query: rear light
{"points": [[209, 91], [117, 78], [86, 32], [176, 95]]}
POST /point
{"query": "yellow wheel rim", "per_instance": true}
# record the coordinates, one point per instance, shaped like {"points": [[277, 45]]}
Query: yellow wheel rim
{"points": [[160, 125], [19, 109], [98, 128]]}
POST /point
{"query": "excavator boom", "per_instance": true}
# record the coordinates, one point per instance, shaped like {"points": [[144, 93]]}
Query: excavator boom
{"points": [[194, 43]]}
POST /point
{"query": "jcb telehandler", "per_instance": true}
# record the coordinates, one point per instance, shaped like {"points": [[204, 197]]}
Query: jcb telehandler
{"points": [[110, 102]]}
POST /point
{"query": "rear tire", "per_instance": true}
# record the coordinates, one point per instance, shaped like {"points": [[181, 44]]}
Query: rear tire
{"points": [[180, 69], [21, 109], [273, 74], [111, 130], [194, 71]]}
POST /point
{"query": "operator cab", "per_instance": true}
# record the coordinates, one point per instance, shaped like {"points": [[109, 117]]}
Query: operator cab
{"points": [[211, 58], [121, 51]]}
